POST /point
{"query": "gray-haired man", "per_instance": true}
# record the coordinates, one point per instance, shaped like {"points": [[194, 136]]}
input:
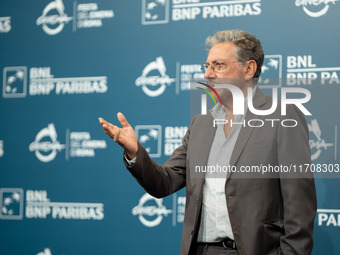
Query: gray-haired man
{"points": [[235, 214]]}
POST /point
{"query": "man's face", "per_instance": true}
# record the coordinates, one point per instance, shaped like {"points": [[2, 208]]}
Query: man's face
{"points": [[232, 71], [224, 53]]}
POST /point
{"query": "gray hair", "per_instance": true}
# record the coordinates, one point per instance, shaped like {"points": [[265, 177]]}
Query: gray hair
{"points": [[248, 46]]}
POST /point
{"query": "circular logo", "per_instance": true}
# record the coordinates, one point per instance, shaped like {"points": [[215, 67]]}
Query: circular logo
{"points": [[154, 81], [46, 150], [53, 24], [315, 8], [151, 211]]}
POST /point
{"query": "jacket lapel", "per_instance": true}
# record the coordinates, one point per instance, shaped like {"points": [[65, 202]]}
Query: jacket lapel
{"points": [[245, 132], [204, 136]]}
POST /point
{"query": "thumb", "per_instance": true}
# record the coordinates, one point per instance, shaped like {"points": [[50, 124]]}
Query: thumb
{"points": [[122, 120]]}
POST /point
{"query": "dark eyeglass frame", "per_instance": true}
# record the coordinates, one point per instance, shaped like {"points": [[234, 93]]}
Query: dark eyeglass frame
{"points": [[216, 66]]}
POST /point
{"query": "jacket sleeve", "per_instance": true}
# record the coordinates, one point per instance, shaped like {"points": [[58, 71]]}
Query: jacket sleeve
{"points": [[161, 180], [298, 188]]}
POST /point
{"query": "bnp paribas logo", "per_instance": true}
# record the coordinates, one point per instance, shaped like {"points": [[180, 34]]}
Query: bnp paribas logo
{"points": [[11, 203], [315, 8], [155, 12]]}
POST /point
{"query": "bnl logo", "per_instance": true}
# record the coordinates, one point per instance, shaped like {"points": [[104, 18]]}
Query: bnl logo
{"points": [[11, 204], [155, 12], [14, 82], [271, 72], [150, 136]]}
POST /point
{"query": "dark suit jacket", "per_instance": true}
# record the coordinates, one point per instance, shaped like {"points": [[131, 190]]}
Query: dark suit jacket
{"points": [[269, 214]]}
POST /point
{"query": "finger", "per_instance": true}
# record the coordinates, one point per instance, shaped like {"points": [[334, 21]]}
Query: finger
{"points": [[116, 135], [109, 129], [123, 120], [102, 121], [107, 125]]}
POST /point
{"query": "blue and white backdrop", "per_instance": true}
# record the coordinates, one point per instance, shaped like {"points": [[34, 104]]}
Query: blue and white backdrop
{"points": [[63, 186]]}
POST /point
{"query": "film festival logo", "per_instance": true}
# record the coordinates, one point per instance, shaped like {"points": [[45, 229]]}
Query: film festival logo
{"points": [[150, 136], [14, 82], [79, 144], [46, 146], [53, 18], [315, 8], [150, 210], [86, 15], [154, 79], [11, 207]]}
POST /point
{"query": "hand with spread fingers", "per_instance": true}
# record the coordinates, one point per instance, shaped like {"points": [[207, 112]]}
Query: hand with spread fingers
{"points": [[124, 136]]}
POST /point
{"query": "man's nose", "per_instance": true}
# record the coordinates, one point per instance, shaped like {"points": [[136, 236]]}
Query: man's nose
{"points": [[209, 73]]}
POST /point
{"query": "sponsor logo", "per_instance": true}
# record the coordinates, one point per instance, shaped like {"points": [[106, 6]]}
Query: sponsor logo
{"points": [[155, 12], [173, 138], [190, 10], [14, 82], [271, 72], [5, 24], [158, 80], [79, 144], [150, 136], [1, 148], [315, 8], [328, 217], [43, 83], [317, 144], [46, 251], [39, 206], [53, 18], [46, 145], [11, 207], [302, 71], [150, 210]]}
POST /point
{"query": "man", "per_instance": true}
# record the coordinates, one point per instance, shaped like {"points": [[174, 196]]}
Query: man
{"points": [[236, 213]]}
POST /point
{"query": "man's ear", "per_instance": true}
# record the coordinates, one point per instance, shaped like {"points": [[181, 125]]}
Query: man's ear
{"points": [[251, 68]]}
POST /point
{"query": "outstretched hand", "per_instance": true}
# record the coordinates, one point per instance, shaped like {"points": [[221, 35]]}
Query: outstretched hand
{"points": [[124, 136]]}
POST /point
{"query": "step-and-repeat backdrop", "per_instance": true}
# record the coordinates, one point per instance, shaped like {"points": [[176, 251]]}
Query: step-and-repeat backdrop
{"points": [[63, 186]]}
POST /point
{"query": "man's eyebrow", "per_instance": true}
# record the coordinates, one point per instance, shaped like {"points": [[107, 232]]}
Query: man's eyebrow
{"points": [[215, 61]]}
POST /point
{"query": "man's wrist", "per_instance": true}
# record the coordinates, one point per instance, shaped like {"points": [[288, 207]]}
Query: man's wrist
{"points": [[129, 161], [130, 156]]}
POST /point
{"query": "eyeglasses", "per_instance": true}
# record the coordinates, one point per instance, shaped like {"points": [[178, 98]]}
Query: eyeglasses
{"points": [[216, 66]]}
